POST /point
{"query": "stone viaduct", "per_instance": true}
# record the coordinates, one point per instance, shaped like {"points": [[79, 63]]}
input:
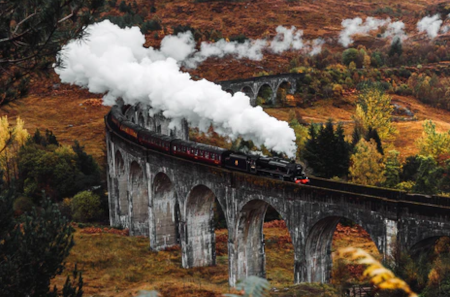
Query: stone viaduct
{"points": [[171, 201], [252, 86]]}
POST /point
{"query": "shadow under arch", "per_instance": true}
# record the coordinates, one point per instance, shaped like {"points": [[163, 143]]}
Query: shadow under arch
{"points": [[230, 91], [165, 212], [282, 91], [249, 239], [424, 246], [249, 92], [318, 258], [265, 95], [121, 185], [197, 233], [139, 200]]}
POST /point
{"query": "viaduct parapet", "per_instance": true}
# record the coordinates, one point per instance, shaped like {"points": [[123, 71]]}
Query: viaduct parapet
{"points": [[171, 201], [252, 86]]}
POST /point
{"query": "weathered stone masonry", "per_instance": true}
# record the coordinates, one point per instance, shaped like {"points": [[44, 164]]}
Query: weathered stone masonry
{"points": [[171, 200], [252, 86]]}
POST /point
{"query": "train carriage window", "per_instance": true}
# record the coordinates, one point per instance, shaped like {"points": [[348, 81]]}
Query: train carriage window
{"points": [[174, 147], [207, 155], [196, 152]]}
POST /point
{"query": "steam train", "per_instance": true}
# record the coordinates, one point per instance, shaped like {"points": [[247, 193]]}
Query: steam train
{"points": [[265, 166]]}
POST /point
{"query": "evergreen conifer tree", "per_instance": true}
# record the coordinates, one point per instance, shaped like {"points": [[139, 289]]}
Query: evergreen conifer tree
{"points": [[342, 153], [356, 136], [373, 134], [311, 151], [327, 152], [33, 248]]}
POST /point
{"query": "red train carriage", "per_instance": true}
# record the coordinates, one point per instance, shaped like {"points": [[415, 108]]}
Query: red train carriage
{"points": [[155, 141], [197, 151]]}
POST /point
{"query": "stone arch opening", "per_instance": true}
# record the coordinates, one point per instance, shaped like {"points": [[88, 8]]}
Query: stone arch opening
{"points": [[122, 184], [249, 92], [265, 95], [231, 91], [199, 243], [139, 200], [165, 211], [427, 254], [283, 92], [424, 246], [325, 236], [258, 221]]}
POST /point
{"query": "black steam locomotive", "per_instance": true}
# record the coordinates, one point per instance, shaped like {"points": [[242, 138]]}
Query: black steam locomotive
{"points": [[271, 167]]}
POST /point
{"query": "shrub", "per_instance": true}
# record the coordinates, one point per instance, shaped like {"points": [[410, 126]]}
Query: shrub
{"points": [[22, 204], [349, 55], [337, 90], [85, 206], [241, 38], [403, 90]]}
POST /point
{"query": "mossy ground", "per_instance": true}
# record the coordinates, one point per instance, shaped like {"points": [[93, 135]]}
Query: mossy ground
{"points": [[118, 265]]}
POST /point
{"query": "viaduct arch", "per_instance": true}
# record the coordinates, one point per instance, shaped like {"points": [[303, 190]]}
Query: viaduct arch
{"points": [[170, 200], [252, 86]]}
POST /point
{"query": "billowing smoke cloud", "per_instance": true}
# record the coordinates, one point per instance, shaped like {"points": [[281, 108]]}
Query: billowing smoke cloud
{"points": [[357, 26], [317, 46], [113, 61], [354, 26], [182, 47], [395, 30], [286, 39], [430, 24]]}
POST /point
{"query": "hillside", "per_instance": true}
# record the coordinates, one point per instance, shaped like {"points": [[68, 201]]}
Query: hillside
{"points": [[69, 113], [114, 264], [117, 265]]}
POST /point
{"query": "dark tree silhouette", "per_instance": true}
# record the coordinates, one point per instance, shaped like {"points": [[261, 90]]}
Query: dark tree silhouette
{"points": [[32, 32]]}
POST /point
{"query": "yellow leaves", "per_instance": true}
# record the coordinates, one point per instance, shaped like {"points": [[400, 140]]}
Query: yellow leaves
{"points": [[433, 143], [379, 276], [366, 61], [20, 134], [374, 110], [337, 90], [11, 139], [65, 150], [367, 166]]}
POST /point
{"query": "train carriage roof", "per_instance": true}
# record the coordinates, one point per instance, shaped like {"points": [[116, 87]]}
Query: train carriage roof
{"points": [[132, 125], [150, 134], [200, 146]]}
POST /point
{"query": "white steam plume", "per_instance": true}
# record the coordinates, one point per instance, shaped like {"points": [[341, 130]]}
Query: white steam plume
{"points": [[430, 24], [445, 29], [182, 47], [395, 31], [317, 46], [286, 39], [357, 26], [113, 61]]}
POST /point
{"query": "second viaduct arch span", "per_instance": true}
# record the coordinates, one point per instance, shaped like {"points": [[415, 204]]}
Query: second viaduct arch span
{"points": [[252, 86]]}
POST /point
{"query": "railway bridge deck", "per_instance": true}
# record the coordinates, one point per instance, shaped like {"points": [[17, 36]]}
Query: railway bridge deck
{"points": [[171, 201]]}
